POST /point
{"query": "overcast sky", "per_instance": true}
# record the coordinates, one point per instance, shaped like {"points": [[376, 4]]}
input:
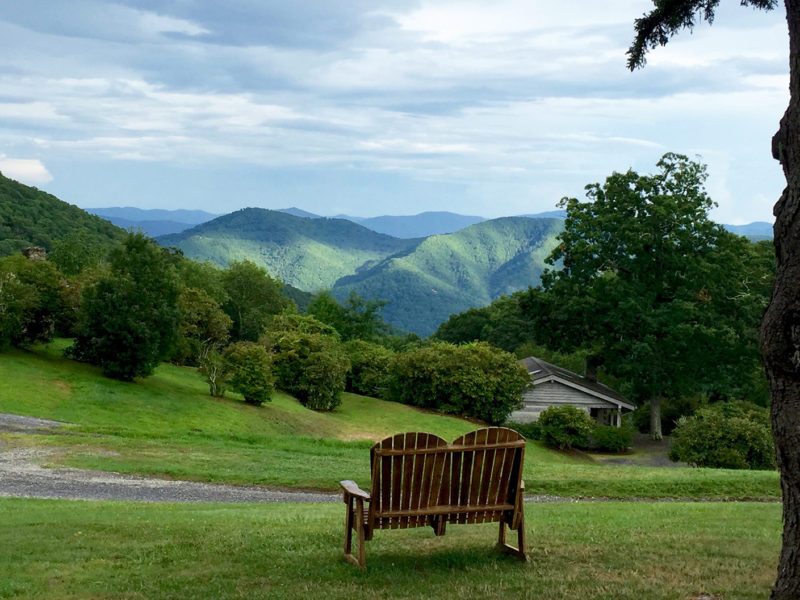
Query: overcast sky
{"points": [[371, 107]]}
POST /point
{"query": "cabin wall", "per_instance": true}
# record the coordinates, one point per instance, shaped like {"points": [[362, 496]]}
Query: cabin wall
{"points": [[553, 393]]}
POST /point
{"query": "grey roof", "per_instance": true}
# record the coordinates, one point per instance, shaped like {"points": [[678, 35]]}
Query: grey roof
{"points": [[542, 371]]}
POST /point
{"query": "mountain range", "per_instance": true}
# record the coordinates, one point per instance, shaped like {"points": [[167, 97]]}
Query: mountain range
{"points": [[161, 222], [425, 279]]}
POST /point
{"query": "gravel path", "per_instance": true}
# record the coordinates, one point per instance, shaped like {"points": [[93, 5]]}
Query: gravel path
{"points": [[21, 476]]}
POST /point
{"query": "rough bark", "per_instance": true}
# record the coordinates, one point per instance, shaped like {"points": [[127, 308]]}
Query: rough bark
{"points": [[780, 328], [655, 418]]}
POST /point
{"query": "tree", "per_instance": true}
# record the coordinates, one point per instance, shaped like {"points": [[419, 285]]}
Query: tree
{"points": [[248, 369], [653, 288], [310, 362], [253, 297], [780, 327], [355, 319], [129, 320], [31, 302], [203, 327]]}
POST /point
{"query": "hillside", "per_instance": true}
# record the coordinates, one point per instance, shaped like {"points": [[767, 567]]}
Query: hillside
{"points": [[310, 254], [447, 274], [31, 217]]}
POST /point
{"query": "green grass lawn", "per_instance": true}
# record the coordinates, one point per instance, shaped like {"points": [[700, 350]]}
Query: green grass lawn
{"points": [[169, 425], [72, 550]]}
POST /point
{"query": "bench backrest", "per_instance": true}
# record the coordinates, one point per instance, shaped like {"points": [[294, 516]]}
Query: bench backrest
{"points": [[418, 476]]}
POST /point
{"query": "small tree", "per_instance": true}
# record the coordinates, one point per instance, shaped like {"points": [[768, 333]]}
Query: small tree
{"points": [[249, 371], [203, 327]]}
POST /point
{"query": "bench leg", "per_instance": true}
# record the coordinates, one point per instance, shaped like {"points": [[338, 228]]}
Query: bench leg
{"points": [[519, 551], [358, 514]]}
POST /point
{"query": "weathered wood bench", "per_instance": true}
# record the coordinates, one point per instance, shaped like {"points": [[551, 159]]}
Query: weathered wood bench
{"points": [[419, 479]]}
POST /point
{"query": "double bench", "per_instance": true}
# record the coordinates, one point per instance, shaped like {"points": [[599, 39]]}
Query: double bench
{"points": [[419, 479]]}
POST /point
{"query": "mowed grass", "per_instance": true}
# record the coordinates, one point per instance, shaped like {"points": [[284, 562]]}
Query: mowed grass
{"points": [[168, 425], [607, 550]]}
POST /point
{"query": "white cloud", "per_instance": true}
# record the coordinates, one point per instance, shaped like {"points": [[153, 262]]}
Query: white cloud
{"points": [[26, 170]]}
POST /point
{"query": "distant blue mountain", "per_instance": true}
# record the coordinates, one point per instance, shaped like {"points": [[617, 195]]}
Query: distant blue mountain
{"points": [[758, 230], [151, 228], [550, 214], [193, 217], [299, 212], [421, 225]]}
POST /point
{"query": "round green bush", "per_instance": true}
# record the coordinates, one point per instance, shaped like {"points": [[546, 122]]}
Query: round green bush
{"points": [[369, 368], [471, 380], [249, 372], [725, 435], [565, 427], [310, 366]]}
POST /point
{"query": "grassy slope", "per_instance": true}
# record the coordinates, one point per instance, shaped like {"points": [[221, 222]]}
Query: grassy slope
{"points": [[447, 274], [310, 254], [168, 425], [29, 216], [627, 551]]}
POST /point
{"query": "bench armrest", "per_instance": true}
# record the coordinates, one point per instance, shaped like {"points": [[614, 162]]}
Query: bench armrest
{"points": [[351, 489]]}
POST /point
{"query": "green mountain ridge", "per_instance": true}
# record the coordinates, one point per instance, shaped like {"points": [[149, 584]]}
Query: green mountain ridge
{"points": [[310, 254], [450, 273], [31, 217]]}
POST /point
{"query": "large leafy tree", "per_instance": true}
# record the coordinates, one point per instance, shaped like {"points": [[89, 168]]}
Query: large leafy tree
{"points": [[658, 293], [355, 319], [253, 297], [780, 327], [128, 320]]}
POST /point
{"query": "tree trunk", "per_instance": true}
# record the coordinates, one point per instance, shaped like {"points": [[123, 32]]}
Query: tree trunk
{"points": [[655, 418], [780, 328]]}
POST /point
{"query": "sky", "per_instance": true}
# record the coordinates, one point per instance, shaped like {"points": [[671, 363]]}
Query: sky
{"points": [[374, 107]]}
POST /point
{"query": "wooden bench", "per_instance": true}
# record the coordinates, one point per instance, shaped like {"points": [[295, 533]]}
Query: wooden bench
{"points": [[419, 479]]}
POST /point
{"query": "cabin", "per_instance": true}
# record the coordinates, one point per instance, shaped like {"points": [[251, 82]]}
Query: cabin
{"points": [[554, 386]]}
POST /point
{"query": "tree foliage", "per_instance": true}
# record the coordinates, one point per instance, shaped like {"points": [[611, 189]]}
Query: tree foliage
{"points": [[252, 298], [356, 318], [129, 319], [203, 327], [667, 299], [309, 364], [369, 368], [472, 380], [31, 300], [248, 370]]}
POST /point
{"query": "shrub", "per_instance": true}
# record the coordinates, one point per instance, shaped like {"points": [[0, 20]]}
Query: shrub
{"points": [[248, 370], [565, 427], [369, 367], [611, 439], [473, 380], [310, 366], [725, 435]]}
